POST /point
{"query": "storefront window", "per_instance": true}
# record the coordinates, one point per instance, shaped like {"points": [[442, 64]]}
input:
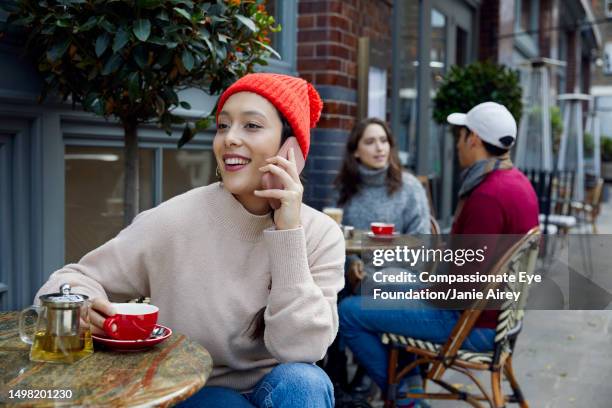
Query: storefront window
{"points": [[408, 61], [273, 9], [186, 169], [94, 195], [437, 64], [94, 189]]}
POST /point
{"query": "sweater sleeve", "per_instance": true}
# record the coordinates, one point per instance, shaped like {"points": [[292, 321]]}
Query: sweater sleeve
{"points": [[301, 316], [117, 270]]}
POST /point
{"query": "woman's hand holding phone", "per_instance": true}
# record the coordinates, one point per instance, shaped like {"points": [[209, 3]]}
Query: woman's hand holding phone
{"points": [[288, 215]]}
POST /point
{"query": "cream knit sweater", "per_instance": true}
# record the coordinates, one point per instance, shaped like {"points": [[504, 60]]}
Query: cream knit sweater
{"points": [[209, 265]]}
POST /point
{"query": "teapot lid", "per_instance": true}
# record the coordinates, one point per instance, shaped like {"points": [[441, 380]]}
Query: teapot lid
{"points": [[64, 298]]}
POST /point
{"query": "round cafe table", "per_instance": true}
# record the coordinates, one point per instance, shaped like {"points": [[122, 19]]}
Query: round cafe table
{"points": [[160, 376]]}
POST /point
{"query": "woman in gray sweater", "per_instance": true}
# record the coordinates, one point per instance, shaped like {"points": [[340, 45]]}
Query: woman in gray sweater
{"points": [[373, 188]]}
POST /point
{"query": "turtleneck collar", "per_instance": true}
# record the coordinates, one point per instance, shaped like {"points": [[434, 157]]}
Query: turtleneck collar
{"points": [[373, 177], [234, 218]]}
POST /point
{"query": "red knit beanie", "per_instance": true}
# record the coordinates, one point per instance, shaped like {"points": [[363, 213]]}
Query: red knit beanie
{"points": [[297, 100]]}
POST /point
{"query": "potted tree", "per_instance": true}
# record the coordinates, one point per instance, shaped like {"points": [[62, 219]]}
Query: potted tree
{"points": [[466, 86], [127, 59]]}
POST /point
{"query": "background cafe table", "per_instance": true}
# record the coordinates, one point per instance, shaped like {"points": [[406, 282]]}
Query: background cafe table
{"points": [[161, 376]]}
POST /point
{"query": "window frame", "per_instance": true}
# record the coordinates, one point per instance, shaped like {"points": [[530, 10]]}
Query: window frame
{"points": [[527, 44], [287, 17], [158, 156]]}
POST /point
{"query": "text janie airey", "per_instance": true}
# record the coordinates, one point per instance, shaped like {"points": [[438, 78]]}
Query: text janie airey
{"points": [[449, 293]]}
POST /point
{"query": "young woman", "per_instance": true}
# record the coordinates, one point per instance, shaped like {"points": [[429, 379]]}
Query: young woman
{"points": [[373, 188], [256, 287]]}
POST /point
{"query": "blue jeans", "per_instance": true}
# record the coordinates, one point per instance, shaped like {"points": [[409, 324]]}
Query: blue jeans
{"points": [[287, 385], [361, 328]]}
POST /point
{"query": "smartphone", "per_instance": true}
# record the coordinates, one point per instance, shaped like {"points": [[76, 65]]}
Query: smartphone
{"points": [[270, 181]]}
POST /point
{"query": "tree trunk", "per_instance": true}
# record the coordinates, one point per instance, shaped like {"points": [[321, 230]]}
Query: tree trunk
{"points": [[131, 188]]}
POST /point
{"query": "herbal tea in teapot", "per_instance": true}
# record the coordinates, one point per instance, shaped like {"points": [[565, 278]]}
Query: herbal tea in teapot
{"points": [[62, 333]]}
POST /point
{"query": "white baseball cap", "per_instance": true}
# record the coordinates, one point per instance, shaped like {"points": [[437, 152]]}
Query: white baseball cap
{"points": [[491, 121]]}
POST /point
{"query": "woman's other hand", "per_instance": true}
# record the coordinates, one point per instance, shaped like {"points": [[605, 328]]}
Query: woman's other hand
{"points": [[356, 273], [99, 310], [288, 215]]}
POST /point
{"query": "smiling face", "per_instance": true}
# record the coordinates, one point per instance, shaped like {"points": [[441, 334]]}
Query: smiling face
{"points": [[373, 148], [248, 132]]}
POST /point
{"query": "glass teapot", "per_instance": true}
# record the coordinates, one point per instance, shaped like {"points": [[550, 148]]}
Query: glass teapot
{"points": [[62, 333]]}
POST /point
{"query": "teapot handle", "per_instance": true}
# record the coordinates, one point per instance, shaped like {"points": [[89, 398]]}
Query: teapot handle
{"points": [[25, 337]]}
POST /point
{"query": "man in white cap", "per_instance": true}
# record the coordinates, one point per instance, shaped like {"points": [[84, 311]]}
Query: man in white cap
{"points": [[495, 197]]}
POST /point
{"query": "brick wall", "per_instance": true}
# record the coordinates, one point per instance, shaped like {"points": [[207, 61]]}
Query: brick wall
{"points": [[328, 35], [546, 22], [572, 61], [488, 45]]}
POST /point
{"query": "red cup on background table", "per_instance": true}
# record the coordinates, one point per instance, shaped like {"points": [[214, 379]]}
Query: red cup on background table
{"points": [[382, 228], [132, 321]]}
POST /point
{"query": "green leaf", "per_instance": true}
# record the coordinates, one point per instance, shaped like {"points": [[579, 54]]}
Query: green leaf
{"points": [[140, 56], [93, 103], [223, 38], [221, 51], [63, 22], [58, 50], [188, 3], [187, 59], [154, 39], [134, 85], [186, 137], [203, 124], [148, 4], [163, 16], [107, 25], [183, 13], [91, 23], [165, 58], [269, 49], [185, 105], [247, 22], [113, 63], [121, 38], [142, 29], [102, 43]]}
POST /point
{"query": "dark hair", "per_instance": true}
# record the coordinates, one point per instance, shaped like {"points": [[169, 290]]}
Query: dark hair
{"points": [[258, 323], [349, 181], [490, 149], [494, 150]]}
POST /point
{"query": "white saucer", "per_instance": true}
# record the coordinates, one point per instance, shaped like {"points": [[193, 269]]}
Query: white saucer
{"points": [[384, 237]]}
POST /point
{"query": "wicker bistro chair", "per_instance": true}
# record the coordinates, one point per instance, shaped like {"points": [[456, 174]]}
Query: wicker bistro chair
{"points": [[588, 211], [438, 358], [561, 199]]}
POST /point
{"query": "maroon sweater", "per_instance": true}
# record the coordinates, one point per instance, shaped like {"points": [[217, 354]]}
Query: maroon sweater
{"points": [[504, 203]]}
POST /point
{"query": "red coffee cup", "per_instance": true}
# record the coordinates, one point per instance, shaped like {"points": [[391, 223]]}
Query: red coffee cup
{"points": [[132, 321], [382, 228]]}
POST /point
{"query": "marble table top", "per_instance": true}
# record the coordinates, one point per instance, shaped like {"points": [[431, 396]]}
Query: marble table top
{"points": [[160, 376]]}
